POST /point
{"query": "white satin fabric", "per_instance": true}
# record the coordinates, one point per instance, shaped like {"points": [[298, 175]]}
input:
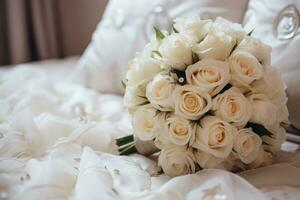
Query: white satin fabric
{"points": [[260, 16], [127, 26], [57, 142]]}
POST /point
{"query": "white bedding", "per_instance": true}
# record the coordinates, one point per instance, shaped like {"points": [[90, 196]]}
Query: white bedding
{"points": [[57, 142]]}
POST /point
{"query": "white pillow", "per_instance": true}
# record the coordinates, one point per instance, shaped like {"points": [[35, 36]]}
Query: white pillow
{"points": [[126, 27], [285, 53]]}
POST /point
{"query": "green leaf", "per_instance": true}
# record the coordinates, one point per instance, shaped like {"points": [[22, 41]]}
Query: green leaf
{"points": [[156, 53], [258, 129], [124, 140], [159, 34], [250, 33], [157, 112], [125, 146], [174, 29], [142, 96], [195, 57], [211, 113], [128, 150], [199, 123], [160, 171], [199, 41], [228, 86], [234, 47], [123, 84], [144, 103]]}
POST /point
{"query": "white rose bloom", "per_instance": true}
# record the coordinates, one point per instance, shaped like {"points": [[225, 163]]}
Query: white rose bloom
{"points": [[161, 140], [271, 83], [176, 51], [246, 145], [264, 111], [233, 107], [190, 102], [135, 96], [214, 136], [206, 160], [274, 142], [209, 75], [177, 160], [273, 86], [142, 68], [180, 130], [257, 48], [150, 47], [193, 26], [215, 46], [282, 111], [244, 68], [263, 159], [235, 30], [143, 123], [159, 92]]}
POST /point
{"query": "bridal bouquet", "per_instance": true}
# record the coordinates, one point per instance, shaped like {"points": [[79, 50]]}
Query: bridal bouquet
{"points": [[205, 96]]}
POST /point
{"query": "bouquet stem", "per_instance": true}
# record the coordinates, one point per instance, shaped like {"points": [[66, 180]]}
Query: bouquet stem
{"points": [[130, 144], [126, 145]]}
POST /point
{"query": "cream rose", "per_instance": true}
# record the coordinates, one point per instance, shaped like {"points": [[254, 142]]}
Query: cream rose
{"points": [[257, 48], [209, 75], [235, 30], [264, 111], [274, 142], [159, 92], [282, 114], [206, 160], [142, 68], [143, 123], [161, 140], [176, 51], [273, 86], [263, 159], [150, 47], [215, 46], [244, 68], [180, 130], [135, 95], [233, 107], [177, 160], [193, 26], [190, 102], [271, 83], [246, 145], [214, 136]]}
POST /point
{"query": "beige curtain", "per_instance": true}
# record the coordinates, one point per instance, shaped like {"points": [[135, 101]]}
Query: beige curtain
{"points": [[30, 32], [42, 29]]}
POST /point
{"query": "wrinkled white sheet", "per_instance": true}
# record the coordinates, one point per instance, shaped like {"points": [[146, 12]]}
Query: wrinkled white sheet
{"points": [[57, 142]]}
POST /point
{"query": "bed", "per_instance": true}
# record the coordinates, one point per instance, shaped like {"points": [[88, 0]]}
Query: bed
{"points": [[57, 142]]}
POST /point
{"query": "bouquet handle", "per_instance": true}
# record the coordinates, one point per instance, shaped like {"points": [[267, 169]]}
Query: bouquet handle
{"points": [[130, 144], [145, 148]]}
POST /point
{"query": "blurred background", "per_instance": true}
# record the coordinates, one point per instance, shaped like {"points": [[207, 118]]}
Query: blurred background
{"points": [[33, 30]]}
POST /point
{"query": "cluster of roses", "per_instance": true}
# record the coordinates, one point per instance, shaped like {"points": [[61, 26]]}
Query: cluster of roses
{"points": [[205, 93]]}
